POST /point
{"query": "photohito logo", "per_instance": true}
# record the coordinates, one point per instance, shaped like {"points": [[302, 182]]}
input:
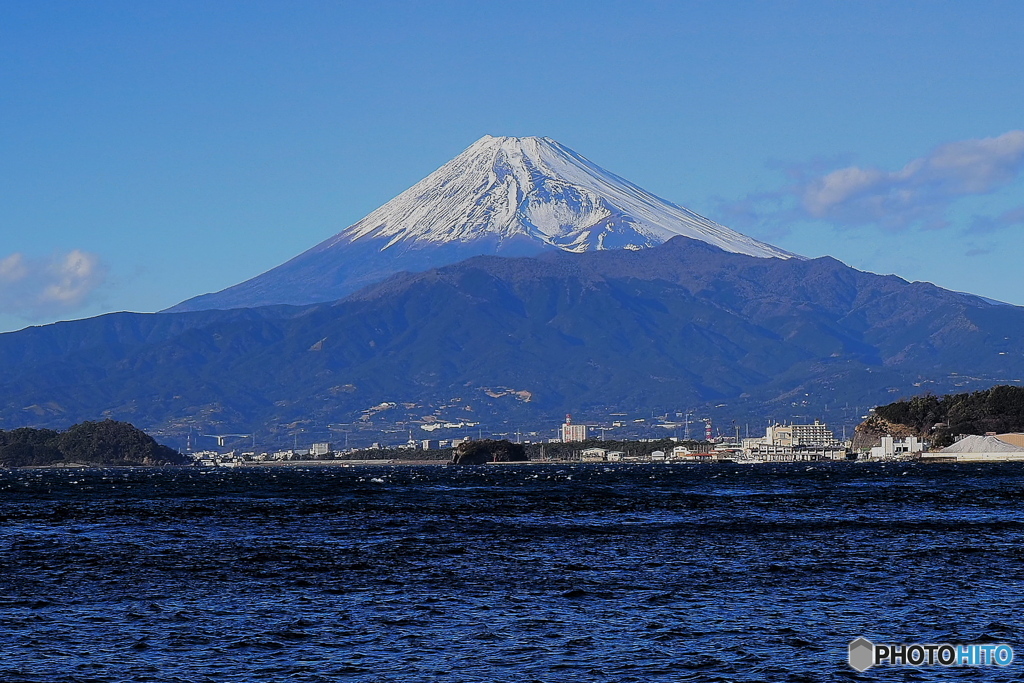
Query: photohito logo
{"points": [[864, 654]]}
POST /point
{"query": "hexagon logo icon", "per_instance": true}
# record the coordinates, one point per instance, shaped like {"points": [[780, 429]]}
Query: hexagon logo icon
{"points": [[862, 654]]}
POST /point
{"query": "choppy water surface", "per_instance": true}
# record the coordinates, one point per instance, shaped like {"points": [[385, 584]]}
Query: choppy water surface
{"points": [[504, 573]]}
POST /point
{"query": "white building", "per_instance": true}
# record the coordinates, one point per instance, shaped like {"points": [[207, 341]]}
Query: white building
{"points": [[572, 432], [817, 435], [321, 448], [891, 448]]}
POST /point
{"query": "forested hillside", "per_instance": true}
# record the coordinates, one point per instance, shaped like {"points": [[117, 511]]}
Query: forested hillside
{"points": [[999, 409], [89, 443]]}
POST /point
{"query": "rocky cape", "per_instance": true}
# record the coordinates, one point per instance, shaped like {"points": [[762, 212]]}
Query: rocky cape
{"points": [[941, 420], [106, 443], [483, 451]]}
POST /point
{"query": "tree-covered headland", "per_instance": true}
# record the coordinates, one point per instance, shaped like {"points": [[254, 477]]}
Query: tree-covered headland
{"points": [[90, 443], [942, 418]]}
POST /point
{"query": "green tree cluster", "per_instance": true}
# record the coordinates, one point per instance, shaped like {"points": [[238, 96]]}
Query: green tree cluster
{"points": [[90, 443], [999, 409]]}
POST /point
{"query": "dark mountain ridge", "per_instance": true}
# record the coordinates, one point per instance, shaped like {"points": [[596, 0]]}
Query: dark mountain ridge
{"points": [[683, 325]]}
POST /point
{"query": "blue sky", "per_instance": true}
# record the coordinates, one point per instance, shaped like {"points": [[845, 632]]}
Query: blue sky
{"points": [[153, 151]]}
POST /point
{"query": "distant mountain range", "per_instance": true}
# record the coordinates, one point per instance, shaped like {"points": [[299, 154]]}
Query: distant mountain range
{"points": [[681, 325], [502, 196], [516, 283]]}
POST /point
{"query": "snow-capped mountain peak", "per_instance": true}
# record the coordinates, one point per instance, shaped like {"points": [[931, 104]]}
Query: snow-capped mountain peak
{"points": [[535, 188], [503, 195]]}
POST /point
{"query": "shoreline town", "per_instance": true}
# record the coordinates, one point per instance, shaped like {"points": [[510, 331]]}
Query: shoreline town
{"points": [[781, 443]]}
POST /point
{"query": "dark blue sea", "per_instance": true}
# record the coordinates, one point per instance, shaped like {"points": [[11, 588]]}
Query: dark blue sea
{"points": [[505, 573]]}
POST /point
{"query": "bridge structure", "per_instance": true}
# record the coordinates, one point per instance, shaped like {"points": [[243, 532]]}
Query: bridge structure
{"points": [[221, 437]]}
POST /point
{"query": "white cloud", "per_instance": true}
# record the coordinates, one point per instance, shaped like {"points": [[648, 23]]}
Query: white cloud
{"points": [[917, 195], [39, 287], [922, 190], [13, 268]]}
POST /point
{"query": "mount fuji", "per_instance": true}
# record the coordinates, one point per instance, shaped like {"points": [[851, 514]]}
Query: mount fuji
{"points": [[502, 196], [635, 306]]}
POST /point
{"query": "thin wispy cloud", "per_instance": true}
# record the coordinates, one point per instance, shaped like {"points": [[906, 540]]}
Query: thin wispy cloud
{"points": [[57, 284], [1007, 219], [918, 195]]}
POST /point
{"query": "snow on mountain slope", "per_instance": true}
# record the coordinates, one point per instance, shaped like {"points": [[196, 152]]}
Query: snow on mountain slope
{"points": [[537, 188], [503, 195]]}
